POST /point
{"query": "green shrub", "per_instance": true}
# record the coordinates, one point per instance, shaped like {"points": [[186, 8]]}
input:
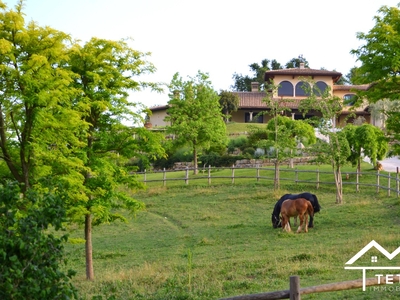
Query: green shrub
{"points": [[30, 256], [215, 160]]}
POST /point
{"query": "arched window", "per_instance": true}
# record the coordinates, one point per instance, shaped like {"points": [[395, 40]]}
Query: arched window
{"points": [[302, 88], [349, 99], [285, 89], [320, 88]]}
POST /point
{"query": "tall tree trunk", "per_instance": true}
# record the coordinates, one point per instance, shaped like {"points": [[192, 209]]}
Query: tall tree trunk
{"points": [[195, 171], [88, 247], [339, 185], [276, 177]]}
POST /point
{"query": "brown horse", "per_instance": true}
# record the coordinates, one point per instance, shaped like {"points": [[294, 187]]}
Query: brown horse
{"points": [[293, 208]]}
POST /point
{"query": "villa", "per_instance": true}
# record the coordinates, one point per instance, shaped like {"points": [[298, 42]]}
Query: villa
{"points": [[290, 84]]}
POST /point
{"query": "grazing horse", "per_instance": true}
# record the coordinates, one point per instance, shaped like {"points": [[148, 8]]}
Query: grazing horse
{"points": [[276, 222], [293, 208]]}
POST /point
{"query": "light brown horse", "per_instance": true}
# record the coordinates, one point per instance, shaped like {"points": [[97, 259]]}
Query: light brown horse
{"points": [[293, 208]]}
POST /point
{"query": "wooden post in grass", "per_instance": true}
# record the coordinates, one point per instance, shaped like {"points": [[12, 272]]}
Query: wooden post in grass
{"points": [[296, 176], [187, 176], [388, 184], [233, 174], [258, 172], [295, 288], [317, 178], [144, 180], [209, 174], [164, 177], [357, 182], [377, 182]]}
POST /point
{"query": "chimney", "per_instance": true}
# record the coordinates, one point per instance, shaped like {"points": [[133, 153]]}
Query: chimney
{"points": [[254, 86], [302, 65]]}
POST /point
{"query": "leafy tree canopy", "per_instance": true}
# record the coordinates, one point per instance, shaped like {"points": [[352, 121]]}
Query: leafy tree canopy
{"points": [[195, 113], [229, 103], [379, 55]]}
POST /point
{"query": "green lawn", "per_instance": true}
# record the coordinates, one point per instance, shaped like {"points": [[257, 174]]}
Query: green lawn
{"points": [[237, 128], [209, 242]]}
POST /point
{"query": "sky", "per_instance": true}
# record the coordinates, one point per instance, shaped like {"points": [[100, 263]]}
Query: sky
{"points": [[215, 36]]}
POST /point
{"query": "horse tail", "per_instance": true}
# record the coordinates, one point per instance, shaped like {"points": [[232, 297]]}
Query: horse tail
{"points": [[310, 209], [317, 207]]}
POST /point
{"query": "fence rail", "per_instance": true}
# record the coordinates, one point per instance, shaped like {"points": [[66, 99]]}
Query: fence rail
{"points": [[382, 181], [295, 291]]}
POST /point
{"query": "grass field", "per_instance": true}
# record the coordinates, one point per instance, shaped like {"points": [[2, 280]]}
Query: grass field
{"points": [[210, 242]]}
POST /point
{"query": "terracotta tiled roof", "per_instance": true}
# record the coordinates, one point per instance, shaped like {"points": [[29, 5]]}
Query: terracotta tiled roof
{"points": [[362, 87], [306, 72]]}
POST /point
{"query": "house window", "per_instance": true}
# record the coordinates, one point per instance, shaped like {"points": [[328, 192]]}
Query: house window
{"points": [[349, 99], [302, 88], [320, 88], [285, 89]]}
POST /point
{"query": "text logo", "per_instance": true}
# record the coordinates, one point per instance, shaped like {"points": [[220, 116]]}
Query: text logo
{"points": [[388, 278]]}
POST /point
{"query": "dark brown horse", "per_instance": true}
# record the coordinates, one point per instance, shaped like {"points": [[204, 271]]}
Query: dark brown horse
{"points": [[293, 208]]}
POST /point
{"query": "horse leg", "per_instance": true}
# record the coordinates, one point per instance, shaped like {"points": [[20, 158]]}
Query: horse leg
{"points": [[301, 223], [306, 223], [288, 228], [311, 224], [285, 223]]}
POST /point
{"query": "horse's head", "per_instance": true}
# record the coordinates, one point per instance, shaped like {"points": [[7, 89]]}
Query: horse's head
{"points": [[275, 221]]}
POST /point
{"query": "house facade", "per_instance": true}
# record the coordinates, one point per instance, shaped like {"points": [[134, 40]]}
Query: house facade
{"points": [[290, 83]]}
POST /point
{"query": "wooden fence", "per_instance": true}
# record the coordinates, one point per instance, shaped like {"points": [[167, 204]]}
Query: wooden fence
{"points": [[385, 181], [295, 292]]}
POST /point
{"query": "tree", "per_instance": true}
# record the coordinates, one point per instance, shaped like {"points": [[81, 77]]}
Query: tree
{"points": [[379, 56], [195, 114], [243, 83], [336, 149], [105, 72], [282, 133], [296, 61], [38, 126], [365, 140], [393, 127], [229, 103]]}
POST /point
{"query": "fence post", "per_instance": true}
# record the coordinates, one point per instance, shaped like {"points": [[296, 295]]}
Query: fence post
{"points": [[144, 180], [295, 288], [164, 177], [209, 174], [233, 174], [296, 176], [388, 184], [377, 181], [187, 176], [258, 173], [357, 182], [317, 178]]}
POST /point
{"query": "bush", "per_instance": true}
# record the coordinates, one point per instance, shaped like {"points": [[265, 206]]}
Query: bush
{"points": [[239, 143], [215, 160], [180, 155], [30, 256]]}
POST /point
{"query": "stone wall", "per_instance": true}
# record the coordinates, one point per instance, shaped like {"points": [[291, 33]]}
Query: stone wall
{"points": [[253, 163]]}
